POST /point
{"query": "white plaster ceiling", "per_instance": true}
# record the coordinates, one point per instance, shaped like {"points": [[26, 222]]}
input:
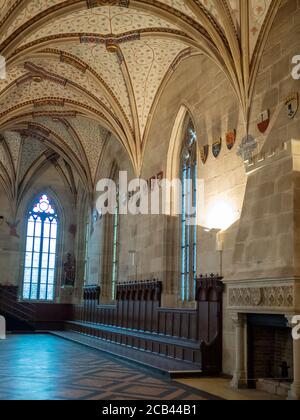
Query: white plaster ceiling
{"points": [[103, 20], [66, 48]]}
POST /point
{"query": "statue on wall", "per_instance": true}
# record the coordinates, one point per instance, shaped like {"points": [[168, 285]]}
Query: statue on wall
{"points": [[69, 271]]}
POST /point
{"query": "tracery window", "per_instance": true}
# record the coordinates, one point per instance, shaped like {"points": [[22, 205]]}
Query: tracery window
{"points": [[41, 249]]}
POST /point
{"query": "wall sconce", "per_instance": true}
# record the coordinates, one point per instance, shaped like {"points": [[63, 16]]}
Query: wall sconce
{"points": [[133, 255], [220, 242], [220, 248]]}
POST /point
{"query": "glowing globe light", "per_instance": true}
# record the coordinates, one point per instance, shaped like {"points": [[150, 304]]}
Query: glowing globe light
{"points": [[221, 215]]}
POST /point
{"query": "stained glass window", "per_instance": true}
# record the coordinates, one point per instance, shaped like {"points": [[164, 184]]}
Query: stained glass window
{"points": [[40, 256], [189, 215]]}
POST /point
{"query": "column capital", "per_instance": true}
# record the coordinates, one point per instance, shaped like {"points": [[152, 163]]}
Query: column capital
{"points": [[289, 319], [238, 319]]}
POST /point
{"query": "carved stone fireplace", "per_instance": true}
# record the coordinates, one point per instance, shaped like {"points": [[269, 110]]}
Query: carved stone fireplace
{"points": [[266, 355]]}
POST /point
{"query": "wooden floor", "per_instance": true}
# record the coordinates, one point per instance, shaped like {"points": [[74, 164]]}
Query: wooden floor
{"points": [[44, 367]]}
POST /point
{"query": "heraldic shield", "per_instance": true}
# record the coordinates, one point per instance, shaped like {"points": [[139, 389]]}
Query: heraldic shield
{"points": [[230, 139], [264, 121], [292, 105], [216, 148], [204, 151]]}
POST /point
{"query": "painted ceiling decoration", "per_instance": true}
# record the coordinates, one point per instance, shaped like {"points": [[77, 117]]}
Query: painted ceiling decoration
{"points": [[82, 71]]}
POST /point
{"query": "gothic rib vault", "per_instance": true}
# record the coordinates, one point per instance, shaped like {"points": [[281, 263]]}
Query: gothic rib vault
{"points": [[82, 71]]}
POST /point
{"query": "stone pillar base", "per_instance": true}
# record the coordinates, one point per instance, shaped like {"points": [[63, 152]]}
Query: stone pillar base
{"points": [[239, 381], [294, 394]]}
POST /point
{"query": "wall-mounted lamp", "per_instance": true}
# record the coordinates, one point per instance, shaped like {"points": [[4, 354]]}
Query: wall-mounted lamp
{"points": [[133, 258], [220, 248], [220, 242]]}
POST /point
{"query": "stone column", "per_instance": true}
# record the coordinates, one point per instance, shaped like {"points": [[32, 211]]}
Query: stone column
{"points": [[240, 375], [295, 388]]}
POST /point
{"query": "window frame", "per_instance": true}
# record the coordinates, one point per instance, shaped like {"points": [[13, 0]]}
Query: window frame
{"points": [[43, 218], [188, 232]]}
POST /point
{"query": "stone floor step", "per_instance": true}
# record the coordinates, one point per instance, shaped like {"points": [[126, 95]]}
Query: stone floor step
{"points": [[163, 365], [186, 343]]}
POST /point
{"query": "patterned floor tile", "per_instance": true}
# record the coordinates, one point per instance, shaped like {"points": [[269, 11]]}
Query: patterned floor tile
{"points": [[44, 367]]}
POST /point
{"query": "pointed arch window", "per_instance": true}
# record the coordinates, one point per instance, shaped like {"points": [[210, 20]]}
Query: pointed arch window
{"points": [[41, 250], [189, 214]]}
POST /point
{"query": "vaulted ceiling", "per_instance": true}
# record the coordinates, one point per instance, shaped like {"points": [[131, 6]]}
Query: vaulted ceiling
{"points": [[82, 71]]}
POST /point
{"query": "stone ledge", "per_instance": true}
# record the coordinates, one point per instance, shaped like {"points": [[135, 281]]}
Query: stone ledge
{"points": [[286, 149]]}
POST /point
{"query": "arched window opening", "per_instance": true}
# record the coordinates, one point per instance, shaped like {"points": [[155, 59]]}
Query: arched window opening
{"points": [[41, 250], [189, 214]]}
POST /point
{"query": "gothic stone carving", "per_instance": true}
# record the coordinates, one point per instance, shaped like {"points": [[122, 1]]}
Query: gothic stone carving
{"points": [[209, 288], [266, 297], [91, 293], [144, 290]]}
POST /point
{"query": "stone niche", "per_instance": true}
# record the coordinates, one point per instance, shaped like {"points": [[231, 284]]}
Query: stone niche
{"points": [[266, 262]]}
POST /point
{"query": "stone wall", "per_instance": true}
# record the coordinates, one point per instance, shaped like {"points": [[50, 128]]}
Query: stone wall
{"points": [[199, 86], [9, 245], [12, 247], [211, 103], [274, 82], [264, 243], [99, 233]]}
